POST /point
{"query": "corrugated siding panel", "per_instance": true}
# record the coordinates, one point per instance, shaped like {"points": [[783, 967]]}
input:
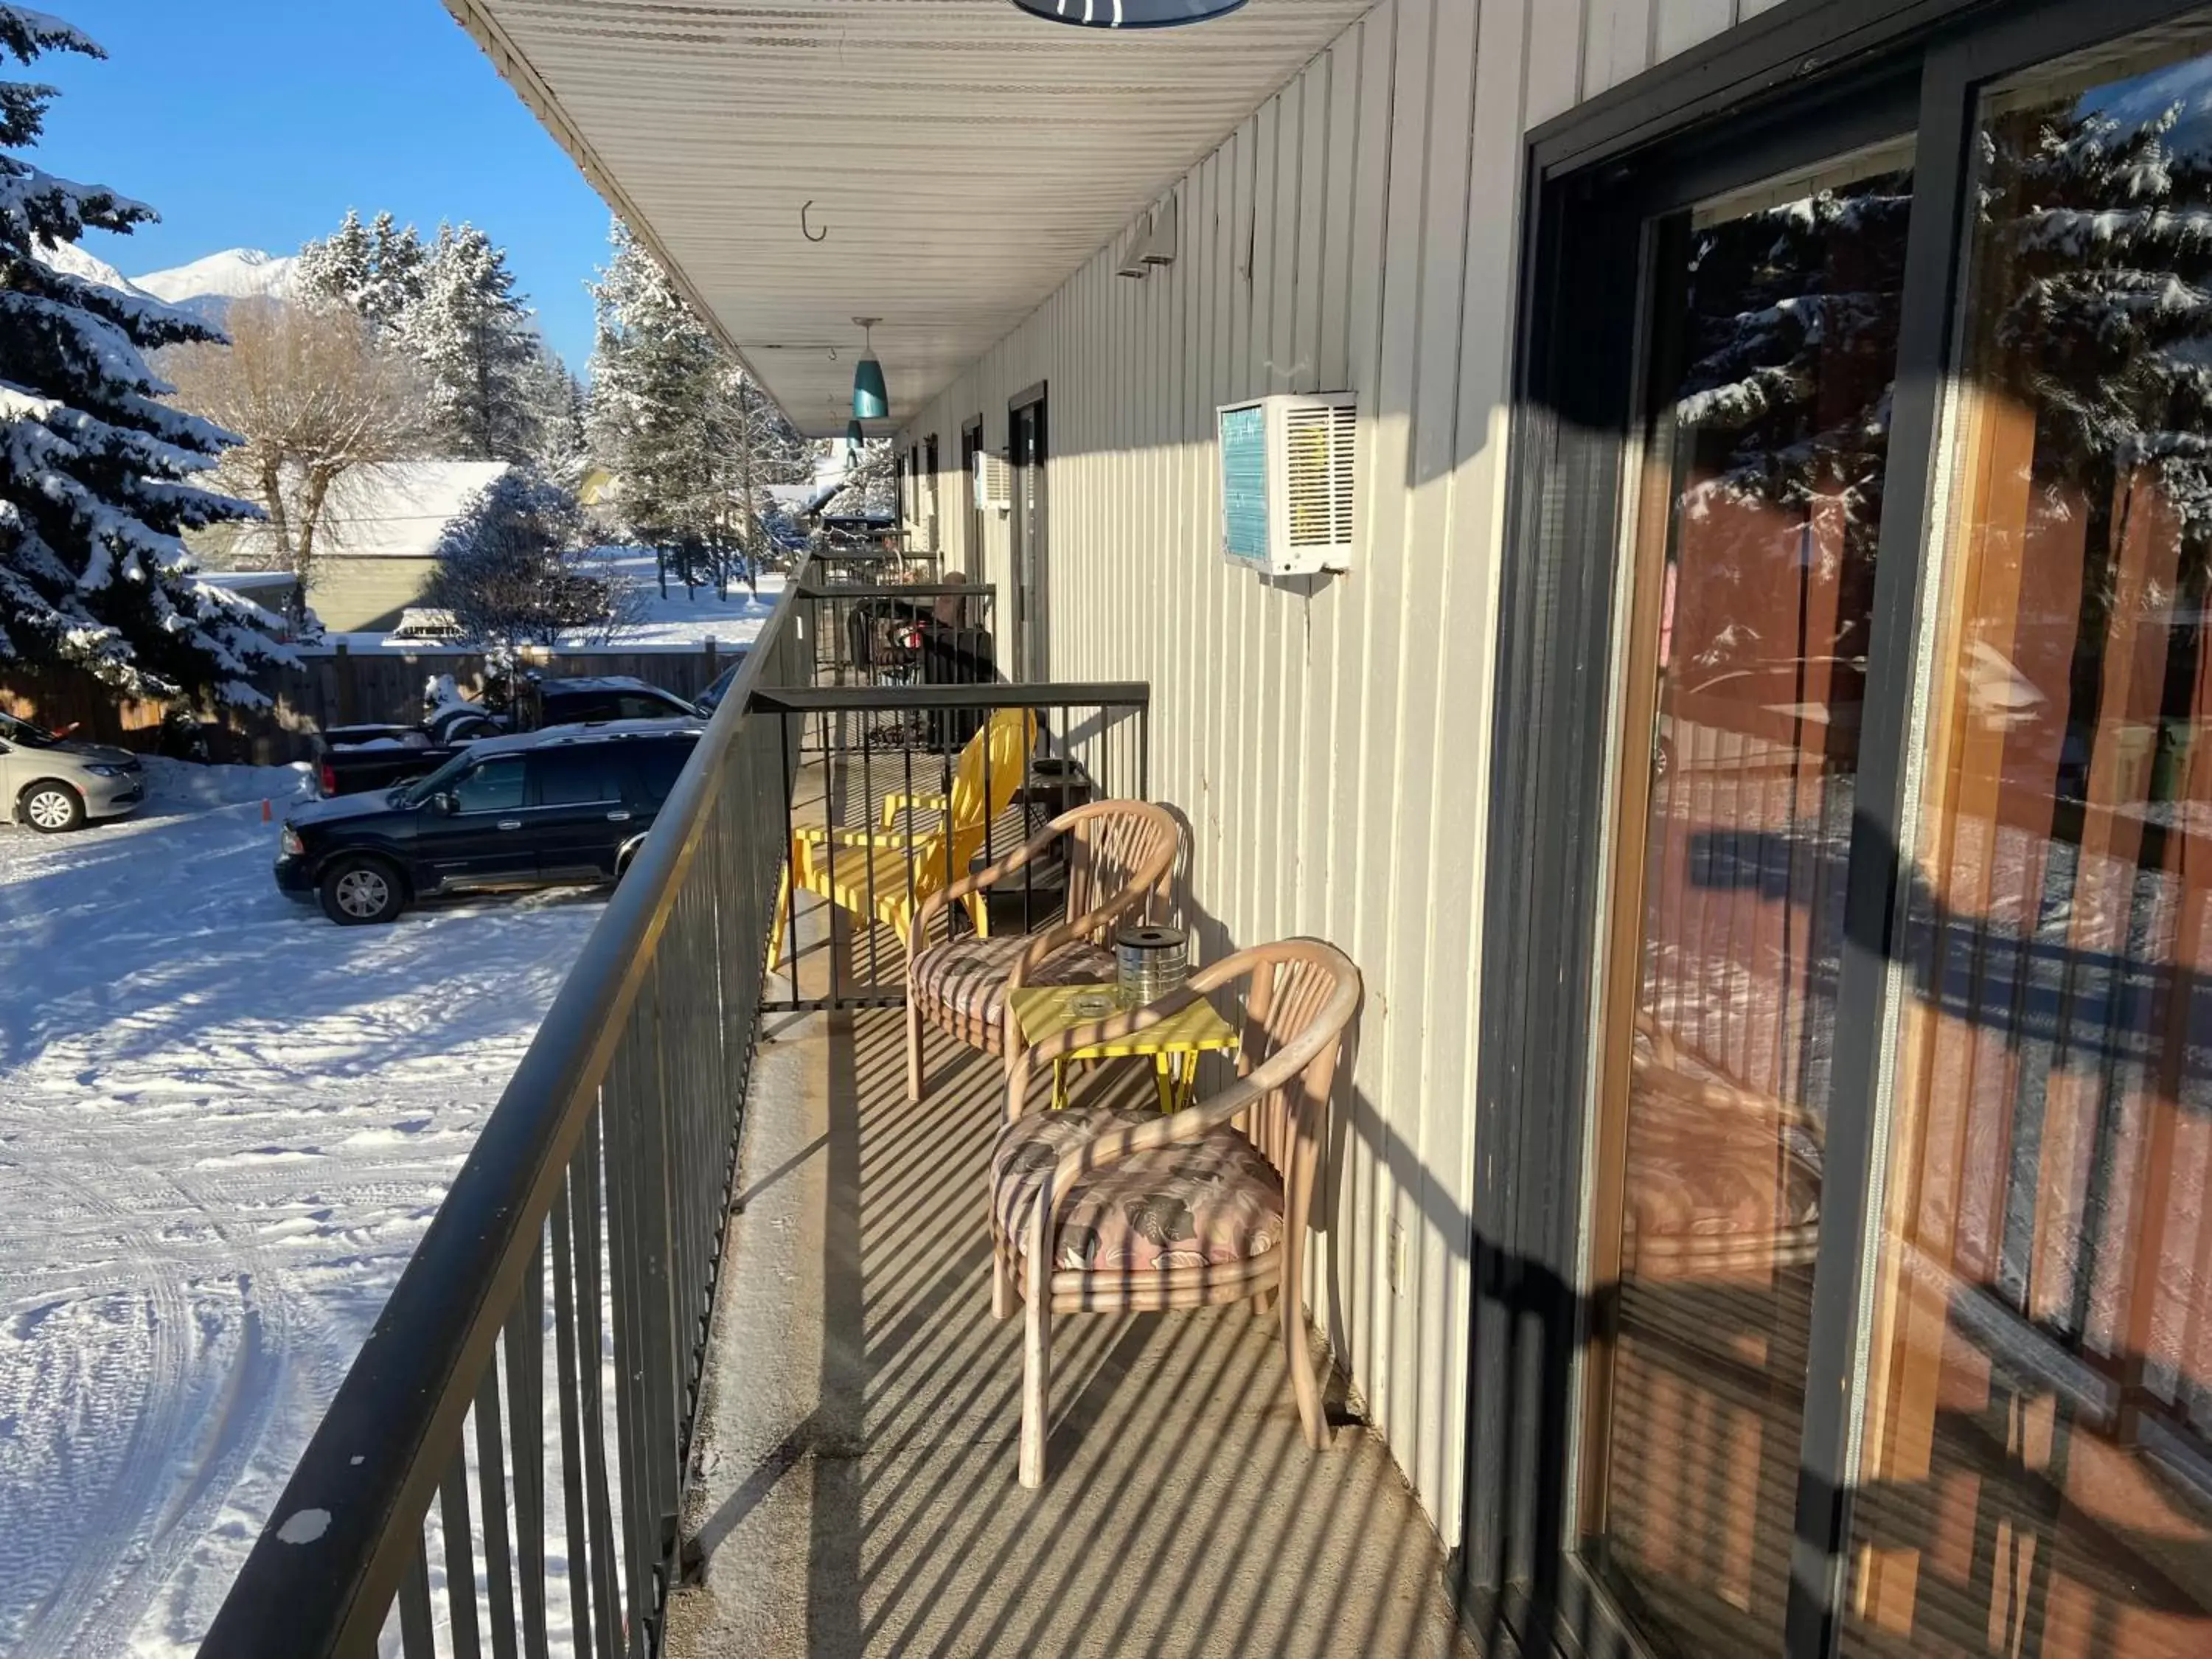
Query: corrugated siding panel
{"points": [[1328, 740]]}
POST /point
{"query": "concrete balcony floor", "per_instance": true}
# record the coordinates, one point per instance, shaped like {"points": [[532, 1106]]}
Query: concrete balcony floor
{"points": [[857, 1493]]}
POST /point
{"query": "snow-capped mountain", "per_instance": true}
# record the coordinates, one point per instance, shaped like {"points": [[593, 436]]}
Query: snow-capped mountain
{"points": [[72, 260], [206, 287]]}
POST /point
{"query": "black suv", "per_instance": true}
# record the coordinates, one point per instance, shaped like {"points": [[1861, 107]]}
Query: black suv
{"points": [[605, 697], [570, 804]]}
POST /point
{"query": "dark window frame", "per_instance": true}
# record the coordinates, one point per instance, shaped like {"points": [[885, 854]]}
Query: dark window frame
{"points": [[462, 809], [972, 448], [929, 470], [1730, 111]]}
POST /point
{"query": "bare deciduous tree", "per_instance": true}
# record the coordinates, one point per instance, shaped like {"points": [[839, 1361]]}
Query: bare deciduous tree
{"points": [[313, 391]]}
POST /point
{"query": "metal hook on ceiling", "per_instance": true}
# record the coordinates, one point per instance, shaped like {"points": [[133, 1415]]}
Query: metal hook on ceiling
{"points": [[803, 228]]}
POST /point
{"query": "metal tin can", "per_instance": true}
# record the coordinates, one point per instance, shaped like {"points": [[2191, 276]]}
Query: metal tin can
{"points": [[1149, 962]]}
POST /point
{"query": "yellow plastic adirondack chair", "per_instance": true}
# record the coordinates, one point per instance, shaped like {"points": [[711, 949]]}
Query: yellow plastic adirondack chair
{"points": [[887, 872]]}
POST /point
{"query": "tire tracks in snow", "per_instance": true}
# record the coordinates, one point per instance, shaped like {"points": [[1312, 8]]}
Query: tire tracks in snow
{"points": [[222, 1126]]}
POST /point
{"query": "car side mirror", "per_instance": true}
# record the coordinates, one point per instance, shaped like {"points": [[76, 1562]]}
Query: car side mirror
{"points": [[444, 804]]}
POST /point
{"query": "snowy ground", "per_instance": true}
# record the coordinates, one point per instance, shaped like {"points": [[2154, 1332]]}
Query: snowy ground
{"points": [[224, 1123], [689, 616]]}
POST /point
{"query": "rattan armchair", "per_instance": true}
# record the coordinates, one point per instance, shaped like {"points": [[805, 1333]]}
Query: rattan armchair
{"points": [[1132, 1209], [1120, 856]]}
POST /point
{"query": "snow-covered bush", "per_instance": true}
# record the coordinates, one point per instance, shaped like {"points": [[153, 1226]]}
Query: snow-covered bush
{"points": [[506, 568], [95, 470]]}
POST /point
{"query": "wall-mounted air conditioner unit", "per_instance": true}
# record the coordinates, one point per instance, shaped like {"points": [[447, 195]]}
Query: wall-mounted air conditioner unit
{"points": [[994, 481], [1287, 467]]}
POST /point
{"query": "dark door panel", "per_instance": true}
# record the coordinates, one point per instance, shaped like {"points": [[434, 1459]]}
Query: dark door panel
{"points": [[578, 816], [484, 841]]}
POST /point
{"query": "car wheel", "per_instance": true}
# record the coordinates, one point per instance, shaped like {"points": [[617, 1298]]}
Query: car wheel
{"points": [[359, 892], [50, 808]]}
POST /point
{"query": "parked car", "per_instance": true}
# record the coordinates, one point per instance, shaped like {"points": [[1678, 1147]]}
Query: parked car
{"points": [[711, 698], [601, 698], [362, 759], [53, 784], [571, 804]]}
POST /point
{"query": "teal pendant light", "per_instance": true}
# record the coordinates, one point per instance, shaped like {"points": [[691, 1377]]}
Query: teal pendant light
{"points": [[870, 399], [855, 438]]}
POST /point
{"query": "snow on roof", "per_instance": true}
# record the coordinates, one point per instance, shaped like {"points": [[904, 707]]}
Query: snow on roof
{"points": [[578, 732], [391, 509], [239, 581]]}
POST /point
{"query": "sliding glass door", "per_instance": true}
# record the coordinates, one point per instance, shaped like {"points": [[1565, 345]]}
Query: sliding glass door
{"points": [[1771, 362], [1861, 1204], [2036, 1474]]}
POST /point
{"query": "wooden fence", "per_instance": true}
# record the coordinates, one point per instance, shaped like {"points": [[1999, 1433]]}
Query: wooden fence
{"points": [[336, 687]]}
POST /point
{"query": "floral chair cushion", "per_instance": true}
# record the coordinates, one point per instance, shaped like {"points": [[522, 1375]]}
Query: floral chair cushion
{"points": [[968, 975], [1208, 1202]]}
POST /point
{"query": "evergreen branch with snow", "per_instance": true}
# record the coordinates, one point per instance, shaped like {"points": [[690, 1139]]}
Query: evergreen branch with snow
{"points": [[96, 473]]}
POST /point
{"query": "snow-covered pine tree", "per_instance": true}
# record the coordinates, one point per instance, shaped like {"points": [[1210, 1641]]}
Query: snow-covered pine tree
{"points": [[398, 267], [95, 472], [555, 401], [471, 333], [2101, 230], [337, 266], [649, 371], [695, 442], [378, 270], [1784, 407], [871, 480]]}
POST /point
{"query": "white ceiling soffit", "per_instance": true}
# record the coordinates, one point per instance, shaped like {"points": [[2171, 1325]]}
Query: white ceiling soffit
{"points": [[963, 157]]}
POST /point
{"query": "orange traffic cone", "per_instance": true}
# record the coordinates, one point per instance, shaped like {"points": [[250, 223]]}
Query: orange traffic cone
{"points": [[265, 814]]}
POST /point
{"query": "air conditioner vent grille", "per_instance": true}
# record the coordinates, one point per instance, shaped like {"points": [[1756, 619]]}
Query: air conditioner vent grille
{"points": [[1289, 474]]}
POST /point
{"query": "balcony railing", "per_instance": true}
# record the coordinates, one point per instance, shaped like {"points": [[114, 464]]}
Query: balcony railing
{"points": [[504, 1468]]}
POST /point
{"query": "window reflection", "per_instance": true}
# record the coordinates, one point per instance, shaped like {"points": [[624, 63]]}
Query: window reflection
{"points": [[1772, 361], [2038, 1474]]}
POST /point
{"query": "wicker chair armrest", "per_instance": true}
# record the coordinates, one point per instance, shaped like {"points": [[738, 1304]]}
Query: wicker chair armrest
{"points": [[974, 882], [1063, 934]]}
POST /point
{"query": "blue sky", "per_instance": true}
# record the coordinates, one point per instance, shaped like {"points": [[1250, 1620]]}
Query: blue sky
{"points": [[258, 122]]}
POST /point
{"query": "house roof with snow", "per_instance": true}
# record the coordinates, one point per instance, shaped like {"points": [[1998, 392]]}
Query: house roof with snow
{"points": [[398, 510], [389, 509]]}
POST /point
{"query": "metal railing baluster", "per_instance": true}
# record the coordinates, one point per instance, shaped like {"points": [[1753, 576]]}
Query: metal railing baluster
{"points": [[417, 1637], [593, 1286], [612, 1153], [567, 1381], [460, 1557], [525, 1380], [491, 1493]]}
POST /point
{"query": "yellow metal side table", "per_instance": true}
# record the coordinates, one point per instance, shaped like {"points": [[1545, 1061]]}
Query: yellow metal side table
{"points": [[1174, 1044]]}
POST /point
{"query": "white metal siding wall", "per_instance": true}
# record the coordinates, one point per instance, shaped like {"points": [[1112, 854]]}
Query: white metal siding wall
{"points": [[1328, 741]]}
